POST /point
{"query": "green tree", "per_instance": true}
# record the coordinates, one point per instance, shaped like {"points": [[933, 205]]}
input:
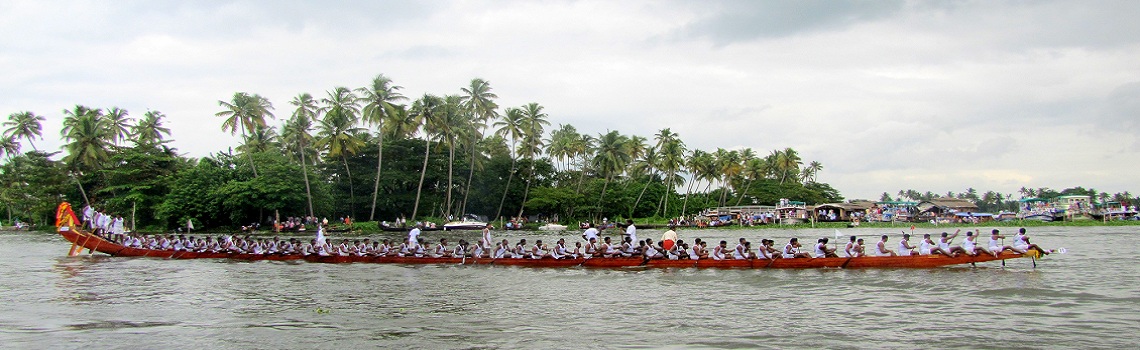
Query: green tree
{"points": [[119, 123], [149, 131], [380, 99], [533, 125], [479, 102], [610, 156], [89, 139], [509, 126], [244, 112], [26, 125], [297, 133], [425, 110], [339, 135]]}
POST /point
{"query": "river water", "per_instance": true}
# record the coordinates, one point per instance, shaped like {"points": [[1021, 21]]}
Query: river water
{"points": [[1087, 298]]}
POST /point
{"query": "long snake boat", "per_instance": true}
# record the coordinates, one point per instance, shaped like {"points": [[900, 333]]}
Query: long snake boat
{"points": [[68, 226]]}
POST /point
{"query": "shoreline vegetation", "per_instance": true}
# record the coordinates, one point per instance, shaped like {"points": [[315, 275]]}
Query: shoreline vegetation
{"points": [[374, 155]]}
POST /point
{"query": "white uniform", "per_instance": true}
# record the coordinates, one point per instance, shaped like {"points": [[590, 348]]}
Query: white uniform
{"points": [[924, 248], [632, 232], [738, 252], [969, 245], [590, 233], [903, 250], [819, 250], [413, 235], [1019, 242], [486, 238], [995, 246], [790, 251]]}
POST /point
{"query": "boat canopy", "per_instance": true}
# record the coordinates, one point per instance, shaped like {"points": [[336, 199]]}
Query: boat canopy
{"points": [[1028, 200]]}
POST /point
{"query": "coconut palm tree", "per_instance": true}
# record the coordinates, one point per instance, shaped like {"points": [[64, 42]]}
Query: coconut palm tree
{"points": [[89, 137], [450, 125], [812, 170], [509, 126], [534, 123], [9, 146], [425, 111], [243, 112], [261, 139], [119, 121], [610, 157], [478, 102], [149, 130], [672, 153], [26, 125], [339, 135], [647, 165], [380, 104], [700, 165], [296, 132], [788, 163]]}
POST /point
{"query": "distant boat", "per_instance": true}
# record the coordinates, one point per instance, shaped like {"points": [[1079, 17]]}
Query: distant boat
{"points": [[552, 227], [468, 222], [464, 225]]}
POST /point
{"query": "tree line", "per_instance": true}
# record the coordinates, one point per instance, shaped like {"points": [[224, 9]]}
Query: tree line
{"points": [[993, 201], [373, 154]]}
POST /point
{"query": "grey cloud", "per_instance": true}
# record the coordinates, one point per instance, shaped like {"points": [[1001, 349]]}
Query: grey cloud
{"points": [[733, 21], [1124, 106]]}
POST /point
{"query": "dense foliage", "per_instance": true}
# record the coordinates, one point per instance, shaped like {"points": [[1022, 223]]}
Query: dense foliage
{"points": [[373, 154]]}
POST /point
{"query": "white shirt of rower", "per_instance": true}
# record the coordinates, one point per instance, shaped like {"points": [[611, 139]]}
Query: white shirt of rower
{"points": [[790, 250], [819, 250], [969, 245], [486, 237], [590, 233], [925, 248], [738, 252], [903, 250], [413, 235], [631, 230]]}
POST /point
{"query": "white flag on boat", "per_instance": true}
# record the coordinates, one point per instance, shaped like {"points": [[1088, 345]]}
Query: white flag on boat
{"points": [[320, 234], [837, 234], [190, 224]]}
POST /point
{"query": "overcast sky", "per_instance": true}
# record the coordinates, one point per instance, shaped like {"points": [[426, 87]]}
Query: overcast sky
{"points": [[887, 95]]}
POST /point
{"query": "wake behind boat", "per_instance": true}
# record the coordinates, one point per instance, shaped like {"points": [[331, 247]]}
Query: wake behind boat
{"points": [[69, 228]]}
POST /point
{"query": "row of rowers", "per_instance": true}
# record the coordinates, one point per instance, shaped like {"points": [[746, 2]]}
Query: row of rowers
{"points": [[927, 246], [668, 248]]}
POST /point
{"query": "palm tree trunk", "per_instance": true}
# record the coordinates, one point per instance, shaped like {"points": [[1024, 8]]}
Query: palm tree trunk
{"points": [[470, 175], [450, 165], [688, 192], [527, 190], [351, 191], [423, 171], [379, 162], [81, 191], [638, 201], [746, 187], [305, 172], [603, 195], [33, 146], [511, 176], [247, 153]]}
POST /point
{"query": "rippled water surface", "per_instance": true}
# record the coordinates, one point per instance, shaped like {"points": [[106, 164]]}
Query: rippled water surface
{"points": [[1087, 298]]}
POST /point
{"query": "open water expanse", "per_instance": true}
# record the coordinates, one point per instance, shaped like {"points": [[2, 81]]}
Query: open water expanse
{"points": [[1087, 298]]}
